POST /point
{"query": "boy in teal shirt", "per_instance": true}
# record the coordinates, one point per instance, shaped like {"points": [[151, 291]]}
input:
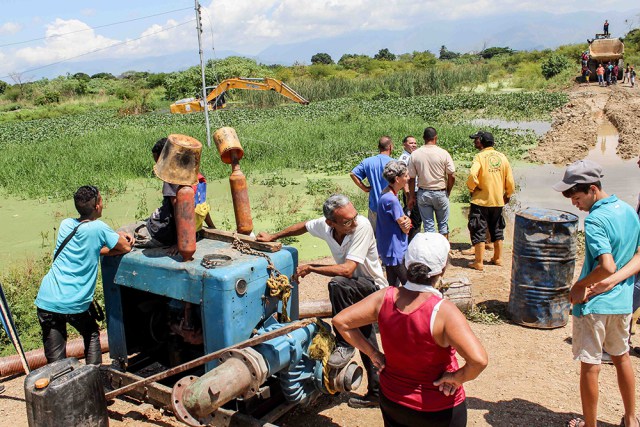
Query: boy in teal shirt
{"points": [[66, 291], [601, 316]]}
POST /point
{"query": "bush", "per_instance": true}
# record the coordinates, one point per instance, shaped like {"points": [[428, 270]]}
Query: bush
{"points": [[554, 65], [321, 58]]}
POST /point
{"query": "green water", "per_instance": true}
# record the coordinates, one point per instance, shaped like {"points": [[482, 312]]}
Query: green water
{"points": [[29, 227]]}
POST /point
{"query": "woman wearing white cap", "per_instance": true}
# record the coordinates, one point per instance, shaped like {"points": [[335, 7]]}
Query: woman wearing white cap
{"points": [[420, 380]]}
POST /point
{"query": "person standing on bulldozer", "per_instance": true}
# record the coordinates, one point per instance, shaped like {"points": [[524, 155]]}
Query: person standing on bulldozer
{"points": [[606, 27]]}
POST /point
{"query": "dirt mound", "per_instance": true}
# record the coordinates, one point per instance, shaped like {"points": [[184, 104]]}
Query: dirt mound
{"points": [[574, 129], [623, 110]]}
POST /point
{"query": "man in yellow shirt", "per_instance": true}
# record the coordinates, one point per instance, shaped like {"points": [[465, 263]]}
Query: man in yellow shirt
{"points": [[491, 185]]}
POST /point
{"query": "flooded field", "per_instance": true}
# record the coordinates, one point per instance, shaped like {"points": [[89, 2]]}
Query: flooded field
{"points": [[621, 177], [539, 127]]}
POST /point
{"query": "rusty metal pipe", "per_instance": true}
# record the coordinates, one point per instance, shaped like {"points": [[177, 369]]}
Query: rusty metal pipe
{"points": [[209, 357], [224, 383], [11, 365], [315, 308], [231, 152]]}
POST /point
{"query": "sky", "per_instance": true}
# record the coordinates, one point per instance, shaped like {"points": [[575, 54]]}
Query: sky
{"points": [[36, 33]]}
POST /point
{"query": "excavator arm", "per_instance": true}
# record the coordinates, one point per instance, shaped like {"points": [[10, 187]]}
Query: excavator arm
{"points": [[213, 98]]}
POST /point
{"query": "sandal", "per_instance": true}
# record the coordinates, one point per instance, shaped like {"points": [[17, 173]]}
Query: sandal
{"points": [[575, 422], [622, 424]]}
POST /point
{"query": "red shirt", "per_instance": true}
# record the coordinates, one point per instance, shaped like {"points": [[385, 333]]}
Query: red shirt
{"points": [[413, 359]]}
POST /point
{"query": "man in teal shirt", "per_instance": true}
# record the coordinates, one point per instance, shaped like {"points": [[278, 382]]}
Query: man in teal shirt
{"points": [[66, 291], [601, 315]]}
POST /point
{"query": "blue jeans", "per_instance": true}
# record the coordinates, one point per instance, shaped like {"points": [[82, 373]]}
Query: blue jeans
{"points": [[430, 202]]}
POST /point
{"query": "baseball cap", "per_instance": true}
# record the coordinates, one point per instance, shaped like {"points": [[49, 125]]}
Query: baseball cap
{"points": [[430, 249], [483, 135], [580, 172]]}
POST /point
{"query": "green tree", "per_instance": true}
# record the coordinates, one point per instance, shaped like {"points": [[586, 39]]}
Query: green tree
{"points": [[106, 76], [234, 66], [490, 52], [446, 54], [353, 61], [554, 65], [82, 77], [3, 86], [322, 58], [423, 59], [384, 55]]}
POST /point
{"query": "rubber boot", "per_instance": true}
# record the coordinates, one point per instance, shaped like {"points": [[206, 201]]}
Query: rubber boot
{"points": [[478, 264], [488, 246], [497, 252]]}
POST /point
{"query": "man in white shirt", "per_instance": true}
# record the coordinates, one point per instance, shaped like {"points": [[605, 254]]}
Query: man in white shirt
{"points": [[356, 274], [410, 145]]}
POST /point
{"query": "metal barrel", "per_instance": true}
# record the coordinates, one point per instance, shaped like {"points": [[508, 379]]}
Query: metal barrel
{"points": [[544, 257]]}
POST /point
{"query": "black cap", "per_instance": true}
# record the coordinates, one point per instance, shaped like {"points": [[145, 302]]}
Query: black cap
{"points": [[484, 136]]}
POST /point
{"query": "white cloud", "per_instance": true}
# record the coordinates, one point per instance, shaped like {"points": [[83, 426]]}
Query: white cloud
{"points": [[65, 39], [250, 26], [10, 28]]}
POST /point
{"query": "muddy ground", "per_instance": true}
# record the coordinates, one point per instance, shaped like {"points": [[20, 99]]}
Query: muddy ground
{"points": [[574, 126], [531, 379]]}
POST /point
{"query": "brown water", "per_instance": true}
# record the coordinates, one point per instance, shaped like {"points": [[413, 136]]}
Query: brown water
{"points": [[621, 177]]}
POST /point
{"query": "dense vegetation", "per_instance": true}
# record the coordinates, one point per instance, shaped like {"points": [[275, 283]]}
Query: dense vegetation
{"points": [[58, 134], [385, 75], [108, 149]]}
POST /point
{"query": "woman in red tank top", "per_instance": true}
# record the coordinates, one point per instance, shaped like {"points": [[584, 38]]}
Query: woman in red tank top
{"points": [[420, 380]]}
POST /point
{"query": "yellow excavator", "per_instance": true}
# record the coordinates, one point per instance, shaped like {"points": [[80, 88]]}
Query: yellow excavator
{"points": [[216, 98]]}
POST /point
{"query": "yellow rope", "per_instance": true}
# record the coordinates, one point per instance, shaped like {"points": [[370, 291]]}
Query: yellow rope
{"points": [[321, 348], [279, 287]]}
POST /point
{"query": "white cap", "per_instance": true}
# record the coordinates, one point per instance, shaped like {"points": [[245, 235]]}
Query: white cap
{"points": [[430, 249]]}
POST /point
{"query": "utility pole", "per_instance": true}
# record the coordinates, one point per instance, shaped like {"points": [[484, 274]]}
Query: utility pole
{"points": [[204, 81]]}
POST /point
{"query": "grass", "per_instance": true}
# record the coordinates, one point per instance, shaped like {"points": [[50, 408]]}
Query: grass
{"points": [[294, 158], [108, 150]]}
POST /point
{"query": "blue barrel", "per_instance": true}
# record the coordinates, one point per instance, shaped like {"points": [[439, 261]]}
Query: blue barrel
{"points": [[544, 257]]}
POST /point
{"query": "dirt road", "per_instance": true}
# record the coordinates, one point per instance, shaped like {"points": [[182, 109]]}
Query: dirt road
{"points": [[531, 379]]}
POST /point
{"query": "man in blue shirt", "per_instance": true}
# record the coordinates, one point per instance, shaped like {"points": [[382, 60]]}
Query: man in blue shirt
{"points": [[601, 316], [66, 291], [371, 168]]}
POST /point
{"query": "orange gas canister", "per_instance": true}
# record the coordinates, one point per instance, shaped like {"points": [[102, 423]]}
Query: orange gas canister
{"points": [[186, 222]]}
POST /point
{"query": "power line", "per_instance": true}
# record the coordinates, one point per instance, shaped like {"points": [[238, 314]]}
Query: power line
{"points": [[95, 28], [103, 48]]}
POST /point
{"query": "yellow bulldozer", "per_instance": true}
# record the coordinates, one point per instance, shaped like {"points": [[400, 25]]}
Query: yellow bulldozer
{"points": [[216, 98], [604, 49]]}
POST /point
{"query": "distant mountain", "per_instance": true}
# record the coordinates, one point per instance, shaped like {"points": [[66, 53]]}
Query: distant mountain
{"points": [[520, 31], [154, 64]]}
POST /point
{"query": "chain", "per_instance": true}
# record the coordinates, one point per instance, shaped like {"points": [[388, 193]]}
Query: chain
{"points": [[277, 282]]}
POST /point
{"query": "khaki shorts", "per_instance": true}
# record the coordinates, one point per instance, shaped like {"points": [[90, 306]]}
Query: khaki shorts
{"points": [[593, 332]]}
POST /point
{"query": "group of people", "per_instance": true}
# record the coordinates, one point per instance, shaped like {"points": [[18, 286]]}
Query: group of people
{"points": [[426, 176], [416, 379], [608, 74]]}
